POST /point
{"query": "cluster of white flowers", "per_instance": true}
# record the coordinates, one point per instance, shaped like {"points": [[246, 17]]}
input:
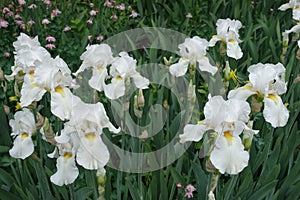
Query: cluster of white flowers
{"points": [[226, 120], [295, 5], [80, 138]]}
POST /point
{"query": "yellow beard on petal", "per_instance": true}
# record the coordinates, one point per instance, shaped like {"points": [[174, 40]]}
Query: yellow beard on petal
{"points": [[100, 68], [228, 136], [119, 78], [272, 96], [68, 155], [90, 136], [24, 135], [59, 90]]}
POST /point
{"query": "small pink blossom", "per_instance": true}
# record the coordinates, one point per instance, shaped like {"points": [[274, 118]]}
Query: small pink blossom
{"points": [[19, 22], [189, 191], [47, 2], [271, 9], [6, 54], [99, 38], [189, 15], [3, 23], [89, 22], [50, 46], [55, 12], [120, 7], [108, 4], [9, 14], [30, 22], [22, 26], [32, 6], [133, 14], [46, 21], [50, 39], [21, 2], [17, 16], [89, 37], [93, 12], [179, 185], [5, 10], [114, 16], [67, 28]]}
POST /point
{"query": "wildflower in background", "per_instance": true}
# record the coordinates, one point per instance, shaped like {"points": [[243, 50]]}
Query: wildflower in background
{"points": [[23, 126], [108, 3], [5, 10], [89, 21], [227, 32], [295, 5], [179, 185], [6, 54], [3, 23], [97, 57], [55, 13], [21, 2], [120, 7], [50, 39], [19, 22], [17, 16], [8, 13], [189, 191], [32, 6], [67, 28], [50, 46], [93, 12], [89, 37], [99, 37], [123, 68], [228, 120], [189, 15], [46, 21], [266, 81], [31, 22], [133, 14], [114, 16], [192, 51]]}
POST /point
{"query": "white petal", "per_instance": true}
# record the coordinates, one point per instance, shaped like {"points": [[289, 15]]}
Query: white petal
{"points": [[229, 155], [92, 153], [275, 112], [67, 171], [241, 93], [214, 40], [140, 81], [115, 89], [204, 65], [234, 50], [215, 112], [97, 80], [296, 14], [193, 132], [62, 101], [23, 146], [295, 29], [239, 110], [285, 6], [23, 122], [30, 92], [180, 68]]}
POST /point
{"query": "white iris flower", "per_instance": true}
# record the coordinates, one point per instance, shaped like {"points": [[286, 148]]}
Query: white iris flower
{"points": [[228, 120], [295, 5], [227, 32], [265, 81], [23, 126], [192, 51]]}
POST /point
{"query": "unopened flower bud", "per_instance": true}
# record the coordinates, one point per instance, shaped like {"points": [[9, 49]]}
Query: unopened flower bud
{"points": [[40, 121], [166, 104], [285, 39], [168, 62], [6, 109], [227, 71], [47, 131], [211, 196], [1, 75], [140, 99], [209, 166], [248, 136], [298, 54]]}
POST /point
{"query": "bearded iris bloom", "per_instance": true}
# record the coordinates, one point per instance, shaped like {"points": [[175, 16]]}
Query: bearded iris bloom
{"points": [[228, 120], [122, 69], [192, 51], [227, 32], [295, 5], [97, 57], [23, 126], [265, 81]]}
